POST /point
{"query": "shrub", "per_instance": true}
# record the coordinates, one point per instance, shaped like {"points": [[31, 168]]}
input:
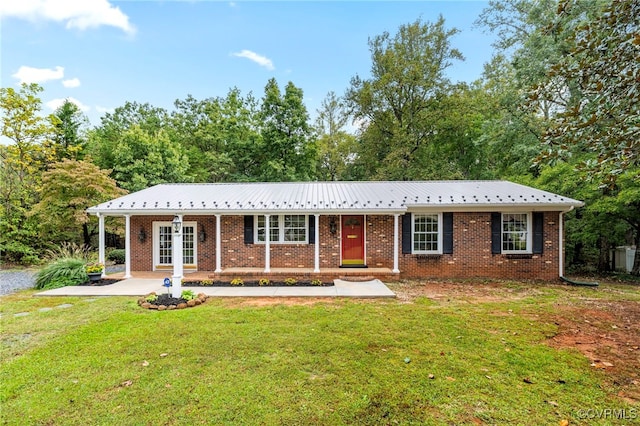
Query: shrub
{"points": [[151, 298], [290, 281], [117, 256], [187, 295], [237, 281], [68, 250], [316, 282], [264, 281], [60, 273]]}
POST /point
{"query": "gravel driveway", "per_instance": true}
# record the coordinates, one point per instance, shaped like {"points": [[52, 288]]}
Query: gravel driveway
{"points": [[11, 281]]}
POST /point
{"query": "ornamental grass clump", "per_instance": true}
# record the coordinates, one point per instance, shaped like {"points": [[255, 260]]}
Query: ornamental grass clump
{"points": [[61, 273]]}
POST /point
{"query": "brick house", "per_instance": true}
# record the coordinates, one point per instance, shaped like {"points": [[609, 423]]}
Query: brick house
{"points": [[444, 229]]}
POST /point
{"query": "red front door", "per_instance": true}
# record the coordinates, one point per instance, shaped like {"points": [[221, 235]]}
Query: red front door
{"points": [[352, 240]]}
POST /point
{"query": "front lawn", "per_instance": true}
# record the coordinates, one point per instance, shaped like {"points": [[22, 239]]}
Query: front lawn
{"points": [[428, 357]]}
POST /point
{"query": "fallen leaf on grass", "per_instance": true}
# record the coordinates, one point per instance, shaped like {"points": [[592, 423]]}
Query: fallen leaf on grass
{"points": [[527, 380], [564, 422], [555, 404], [451, 379], [163, 355], [431, 376], [145, 363], [126, 383]]}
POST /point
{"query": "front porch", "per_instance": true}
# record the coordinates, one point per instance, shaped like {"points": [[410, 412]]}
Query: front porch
{"points": [[325, 274]]}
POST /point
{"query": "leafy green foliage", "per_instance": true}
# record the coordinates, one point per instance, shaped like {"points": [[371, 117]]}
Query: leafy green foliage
{"points": [[60, 273], [187, 295], [117, 256], [602, 75], [401, 101]]}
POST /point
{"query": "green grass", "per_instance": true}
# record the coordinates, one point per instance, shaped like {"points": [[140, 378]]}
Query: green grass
{"points": [[333, 362]]}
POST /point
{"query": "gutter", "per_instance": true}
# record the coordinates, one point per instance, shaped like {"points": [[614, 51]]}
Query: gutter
{"points": [[561, 255]]}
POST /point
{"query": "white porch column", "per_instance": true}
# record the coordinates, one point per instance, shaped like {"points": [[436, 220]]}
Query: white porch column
{"points": [[267, 244], [101, 242], [395, 244], [176, 283], [316, 263], [127, 246], [218, 244]]}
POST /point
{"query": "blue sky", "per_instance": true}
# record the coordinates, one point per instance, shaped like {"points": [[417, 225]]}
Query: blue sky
{"points": [[101, 53]]}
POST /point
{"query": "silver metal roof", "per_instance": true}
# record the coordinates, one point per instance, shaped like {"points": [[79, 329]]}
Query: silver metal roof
{"points": [[333, 198]]}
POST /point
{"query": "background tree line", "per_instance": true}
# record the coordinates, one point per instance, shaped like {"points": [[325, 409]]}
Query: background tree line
{"points": [[556, 108]]}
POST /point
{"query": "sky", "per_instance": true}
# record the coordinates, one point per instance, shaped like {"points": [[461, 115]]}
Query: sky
{"points": [[100, 54]]}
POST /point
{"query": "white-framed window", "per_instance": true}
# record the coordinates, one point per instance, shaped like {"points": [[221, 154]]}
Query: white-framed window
{"points": [[516, 233], [163, 243], [283, 229], [426, 233]]}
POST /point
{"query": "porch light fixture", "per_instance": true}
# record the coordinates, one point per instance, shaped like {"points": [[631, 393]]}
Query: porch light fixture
{"points": [[333, 226], [202, 236], [142, 235], [177, 225]]}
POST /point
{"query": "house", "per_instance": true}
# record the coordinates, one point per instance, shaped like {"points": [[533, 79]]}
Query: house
{"points": [[443, 229]]}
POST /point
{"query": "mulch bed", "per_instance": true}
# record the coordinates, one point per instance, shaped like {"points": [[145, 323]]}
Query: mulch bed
{"points": [[254, 283], [104, 281]]}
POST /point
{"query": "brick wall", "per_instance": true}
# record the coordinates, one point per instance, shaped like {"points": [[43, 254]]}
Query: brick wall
{"points": [[471, 249]]}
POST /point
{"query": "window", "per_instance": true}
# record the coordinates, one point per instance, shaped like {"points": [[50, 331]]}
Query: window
{"points": [[516, 235], [286, 228], [427, 233]]}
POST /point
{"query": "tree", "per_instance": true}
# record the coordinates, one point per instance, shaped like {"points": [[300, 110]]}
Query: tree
{"points": [[142, 160], [288, 152], [68, 189], [21, 166], [336, 147], [603, 70], [401, 100], [70, 135]]}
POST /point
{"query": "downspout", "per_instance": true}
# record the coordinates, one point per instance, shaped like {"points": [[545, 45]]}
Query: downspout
{"points": [[561, 255]]}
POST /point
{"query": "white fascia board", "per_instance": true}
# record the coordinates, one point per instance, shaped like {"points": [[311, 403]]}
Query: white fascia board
{"points": [[236, 212]]}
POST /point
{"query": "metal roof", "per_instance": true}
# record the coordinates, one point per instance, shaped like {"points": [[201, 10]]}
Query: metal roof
{"points": [[333, 198]]}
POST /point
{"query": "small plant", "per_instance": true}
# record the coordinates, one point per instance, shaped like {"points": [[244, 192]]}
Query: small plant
{"points": [[187, 295], [116, 256], [151, 298], [94, 268], [61, 273], [316, 282], [290, 281], [264, 281], [237, 282], [206, 282]]}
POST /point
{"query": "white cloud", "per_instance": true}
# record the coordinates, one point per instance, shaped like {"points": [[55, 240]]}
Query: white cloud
{"points": [[38, 75], [71, 83], [80, 14], [263, 61], [57, 103]]}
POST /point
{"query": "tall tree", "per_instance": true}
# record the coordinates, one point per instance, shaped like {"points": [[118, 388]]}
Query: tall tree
{"points": [[288, 151], [603, 70], [401, 100], [70, 132], [336, 147], [21, 166], [68, 189]]}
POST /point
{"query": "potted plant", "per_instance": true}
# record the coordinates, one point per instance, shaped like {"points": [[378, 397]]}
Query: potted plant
{"points": [[94, 271]]}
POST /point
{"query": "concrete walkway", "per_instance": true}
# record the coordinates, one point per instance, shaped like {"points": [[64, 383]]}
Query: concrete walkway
{"points": [[143, 286]]}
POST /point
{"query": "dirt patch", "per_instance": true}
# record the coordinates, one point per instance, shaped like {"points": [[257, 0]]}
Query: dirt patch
{"points": [[608, 334]]}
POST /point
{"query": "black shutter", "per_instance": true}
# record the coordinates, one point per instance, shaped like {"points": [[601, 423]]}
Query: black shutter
{"points": [[538, 232], [312, 229], [248, 229], [447, 233], [496, 233], [406, 233]]}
